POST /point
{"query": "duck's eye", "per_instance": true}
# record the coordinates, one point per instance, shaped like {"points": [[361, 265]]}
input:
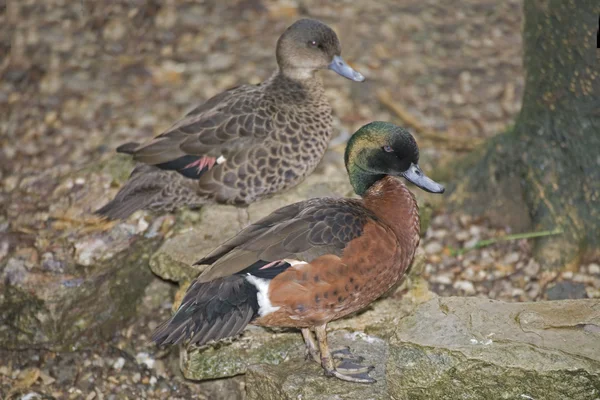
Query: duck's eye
{"points": [[313, 43], [388, 149]]}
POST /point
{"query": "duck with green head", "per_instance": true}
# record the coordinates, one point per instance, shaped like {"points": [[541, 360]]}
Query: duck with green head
{"points": [[246, 143], [315, 261]]}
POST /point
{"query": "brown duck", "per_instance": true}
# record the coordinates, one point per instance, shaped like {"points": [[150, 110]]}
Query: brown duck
{"points": [[245, 143], [314, 261]]}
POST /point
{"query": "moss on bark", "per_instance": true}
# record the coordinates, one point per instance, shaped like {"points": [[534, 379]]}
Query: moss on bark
{"points": [[545, 173]]}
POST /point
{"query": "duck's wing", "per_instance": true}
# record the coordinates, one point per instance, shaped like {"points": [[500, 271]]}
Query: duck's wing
{"points": [[298, 232], [209, 134]]}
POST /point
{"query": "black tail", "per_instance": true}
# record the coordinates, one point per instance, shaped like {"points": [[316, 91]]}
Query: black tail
{"points": [[211, 311]]}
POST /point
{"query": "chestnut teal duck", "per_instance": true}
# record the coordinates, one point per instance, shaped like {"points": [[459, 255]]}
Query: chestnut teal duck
{"points": [[315, 261], [246, 143]]}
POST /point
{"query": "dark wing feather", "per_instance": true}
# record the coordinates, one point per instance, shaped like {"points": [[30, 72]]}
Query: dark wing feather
{"points": [[210, 311], [223, 125], [301, 231]]}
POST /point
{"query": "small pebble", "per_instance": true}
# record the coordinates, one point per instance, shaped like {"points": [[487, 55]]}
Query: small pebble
{"points": [[474, 230], [439, 233], [219, 62], [471, 243], [119, 363], [511, 258], [145, 359], [442, 279], [532, 268], [594, 269], [465, 286], [433, 248], [462, 236]]}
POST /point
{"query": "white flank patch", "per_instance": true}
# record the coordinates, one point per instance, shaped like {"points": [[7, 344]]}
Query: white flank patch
{"points": [[264, 304], [221, 160], [294, 262]]}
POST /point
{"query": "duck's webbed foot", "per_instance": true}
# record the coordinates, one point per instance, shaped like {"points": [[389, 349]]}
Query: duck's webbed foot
{"points": [[345, 354], [349, 368]]}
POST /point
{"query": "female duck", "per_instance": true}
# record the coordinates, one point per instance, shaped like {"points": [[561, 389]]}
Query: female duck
{"points": [[246, 143], [317, 260]]}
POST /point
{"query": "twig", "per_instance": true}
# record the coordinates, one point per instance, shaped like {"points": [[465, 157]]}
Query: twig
{"points": [[452, 143], [516, 236]]}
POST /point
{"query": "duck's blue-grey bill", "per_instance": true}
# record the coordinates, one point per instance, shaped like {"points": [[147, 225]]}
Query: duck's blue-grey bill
{"points": [[416, 176], [339, 65]]}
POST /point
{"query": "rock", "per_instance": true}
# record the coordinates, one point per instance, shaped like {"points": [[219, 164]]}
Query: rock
{"points": [[594, 269], [65, 311], [475, 230], [433, 248], [451, 348], [255, 346], [230, 389], [462, 236], [90, 276], [443, 279], [465, 286], [532, 268], [305, 380], [219, 62], [258, 345], [511, 258], [566, 290], [470, 244]]}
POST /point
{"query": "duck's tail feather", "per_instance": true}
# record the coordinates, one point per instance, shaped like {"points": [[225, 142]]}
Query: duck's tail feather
{"points": [[211, 311], [150, 188], [128, 148]]}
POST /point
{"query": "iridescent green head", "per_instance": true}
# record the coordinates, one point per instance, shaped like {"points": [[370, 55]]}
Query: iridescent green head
{"points": [[379, 149]]}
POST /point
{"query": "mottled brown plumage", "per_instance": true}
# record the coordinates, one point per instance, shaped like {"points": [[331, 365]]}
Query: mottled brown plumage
{"points": [[246, 143], [315, 261]]}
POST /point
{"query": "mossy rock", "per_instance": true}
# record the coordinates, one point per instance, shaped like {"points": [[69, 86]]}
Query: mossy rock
{"points": [[71, 279], [458, 348]]}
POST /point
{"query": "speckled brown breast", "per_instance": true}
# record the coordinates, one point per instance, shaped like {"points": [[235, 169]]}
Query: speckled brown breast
{"points": [[242, 145], [297, 131], [331, 287]]}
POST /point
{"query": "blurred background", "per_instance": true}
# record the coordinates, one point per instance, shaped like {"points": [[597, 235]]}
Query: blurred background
{"points": [[80, 78]]}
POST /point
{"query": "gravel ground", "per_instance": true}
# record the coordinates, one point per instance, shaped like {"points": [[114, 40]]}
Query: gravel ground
{"points": [[504, 271], [82, 77]]}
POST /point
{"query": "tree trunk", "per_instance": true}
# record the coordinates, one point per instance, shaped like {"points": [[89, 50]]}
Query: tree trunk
{"points": [[545, 173]]}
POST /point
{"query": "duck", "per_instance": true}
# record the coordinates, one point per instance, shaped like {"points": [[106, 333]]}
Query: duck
{"points": [[246, 143], [315, 261]]}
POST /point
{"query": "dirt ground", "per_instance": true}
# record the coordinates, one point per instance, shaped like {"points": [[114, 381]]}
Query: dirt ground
{"points": [[80, 77]]}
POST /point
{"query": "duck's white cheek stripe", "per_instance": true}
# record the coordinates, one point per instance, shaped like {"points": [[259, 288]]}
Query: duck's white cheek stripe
{"points": [[221, 160], [264, 304]]}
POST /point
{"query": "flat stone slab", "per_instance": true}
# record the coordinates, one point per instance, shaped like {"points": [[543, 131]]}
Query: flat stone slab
{"points": [[458, 348]]}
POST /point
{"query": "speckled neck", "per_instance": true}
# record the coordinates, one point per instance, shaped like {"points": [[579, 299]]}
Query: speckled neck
{"points": [[397, 207]]}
